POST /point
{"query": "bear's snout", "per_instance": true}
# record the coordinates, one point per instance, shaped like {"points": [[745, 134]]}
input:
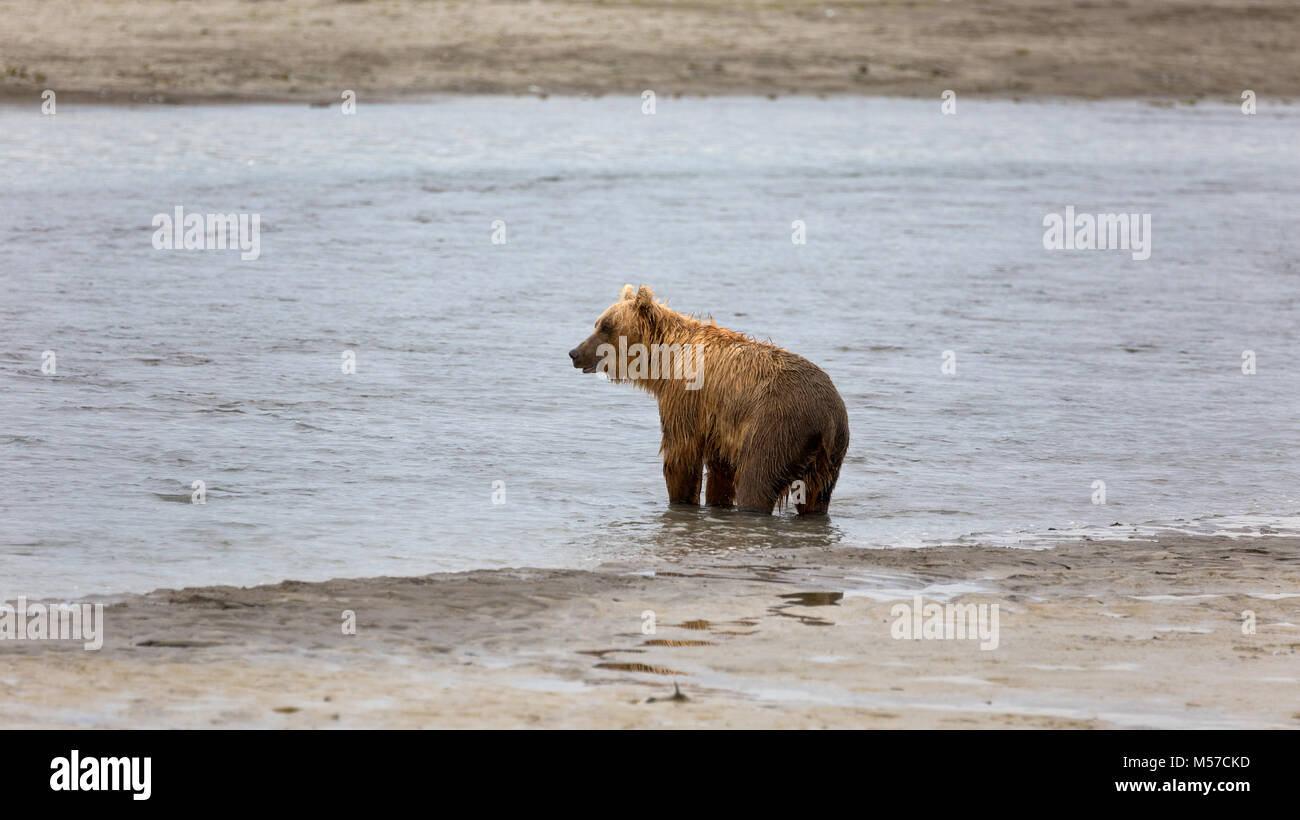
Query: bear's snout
{"points": [[582, 357], [577, 356]]}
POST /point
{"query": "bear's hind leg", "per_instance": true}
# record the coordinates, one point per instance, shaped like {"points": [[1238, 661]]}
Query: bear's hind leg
{"points": [[720, 489], [819, 498], [771, 463], [753, 496], [820, 477], [757, 487]]}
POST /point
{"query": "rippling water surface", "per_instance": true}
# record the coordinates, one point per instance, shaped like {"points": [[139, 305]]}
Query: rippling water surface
{"points": [[924, 235]]}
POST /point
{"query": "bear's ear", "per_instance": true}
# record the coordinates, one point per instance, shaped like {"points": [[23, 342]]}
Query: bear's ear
{"points": [[644, 297], [629, 293]]}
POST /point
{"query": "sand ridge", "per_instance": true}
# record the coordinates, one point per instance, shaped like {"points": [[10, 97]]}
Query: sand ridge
{"points": [[1092, 634]]}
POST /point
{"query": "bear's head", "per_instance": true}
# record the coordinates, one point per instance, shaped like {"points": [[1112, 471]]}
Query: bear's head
{"points": [[631, 318]]}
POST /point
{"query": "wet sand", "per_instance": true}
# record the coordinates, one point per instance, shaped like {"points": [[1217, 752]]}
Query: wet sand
{"points": [[311, 50], [1092, 634]]}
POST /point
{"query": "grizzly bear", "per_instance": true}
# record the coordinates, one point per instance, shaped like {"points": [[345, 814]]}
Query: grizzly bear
{"points": [[760, 418]]}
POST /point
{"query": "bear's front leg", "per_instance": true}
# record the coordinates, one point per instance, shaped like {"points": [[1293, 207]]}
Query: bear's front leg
{"points": [[683, 479]]}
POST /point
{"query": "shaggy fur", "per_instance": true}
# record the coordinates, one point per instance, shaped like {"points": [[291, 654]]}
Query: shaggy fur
{"points": [[761, 419]]}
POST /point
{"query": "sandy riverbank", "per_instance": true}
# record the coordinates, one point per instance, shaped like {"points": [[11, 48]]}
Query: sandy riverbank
{"points": [[1091, 634], [311, 50]]}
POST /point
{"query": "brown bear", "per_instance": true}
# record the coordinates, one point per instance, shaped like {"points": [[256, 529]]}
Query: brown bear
{"points": [[759, 417]]}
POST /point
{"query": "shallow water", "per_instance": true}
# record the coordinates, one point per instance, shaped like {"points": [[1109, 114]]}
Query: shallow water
{"points": [[924, 235]]}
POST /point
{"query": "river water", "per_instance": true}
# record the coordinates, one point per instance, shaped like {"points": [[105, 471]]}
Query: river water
{"points": [[924, 234]]}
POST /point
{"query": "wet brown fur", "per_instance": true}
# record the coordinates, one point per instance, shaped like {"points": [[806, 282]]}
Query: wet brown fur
{"points": [[762, 418]]}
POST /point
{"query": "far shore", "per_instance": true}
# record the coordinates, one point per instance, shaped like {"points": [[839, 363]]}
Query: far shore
{"points": [[310, 51], [1181, 632]]}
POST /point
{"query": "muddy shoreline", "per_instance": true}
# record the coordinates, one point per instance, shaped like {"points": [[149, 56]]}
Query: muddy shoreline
{"points": [[1092, 634], [309, 51]]}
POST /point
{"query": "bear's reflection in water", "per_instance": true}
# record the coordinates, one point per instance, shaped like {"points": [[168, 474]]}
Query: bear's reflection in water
{"points": [[683, 530]]}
